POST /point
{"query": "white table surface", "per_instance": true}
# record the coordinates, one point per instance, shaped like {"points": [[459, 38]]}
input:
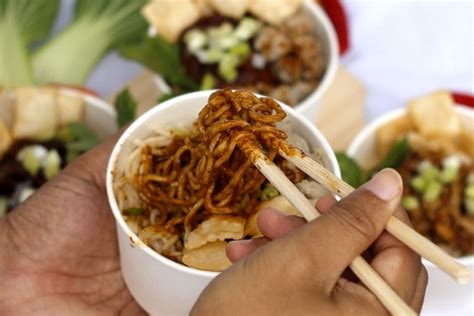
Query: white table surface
{"points": [[400, 49]]}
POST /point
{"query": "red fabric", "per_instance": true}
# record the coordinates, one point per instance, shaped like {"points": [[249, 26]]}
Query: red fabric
{"points": [[463, 98], [338, 17]]}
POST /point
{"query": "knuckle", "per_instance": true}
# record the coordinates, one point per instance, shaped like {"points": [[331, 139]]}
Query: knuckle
{"points": [[354, 216]]}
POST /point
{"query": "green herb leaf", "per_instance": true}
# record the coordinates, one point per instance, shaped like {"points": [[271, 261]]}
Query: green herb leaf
{"points": [[133, 211], [161, 57], [78, 138], [395, 156], [126, 108], [352, 173]]}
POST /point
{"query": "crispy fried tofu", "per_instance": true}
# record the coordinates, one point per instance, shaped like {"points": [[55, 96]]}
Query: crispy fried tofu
{"points": [[169, 18], [70, 109], [274, 11], [211, 256], [434, 116], [232, 8], [35, 113], [5, 138], [388, 134]]}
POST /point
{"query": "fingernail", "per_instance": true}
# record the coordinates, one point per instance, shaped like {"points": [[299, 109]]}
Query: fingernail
{"points": [[386, 184]]}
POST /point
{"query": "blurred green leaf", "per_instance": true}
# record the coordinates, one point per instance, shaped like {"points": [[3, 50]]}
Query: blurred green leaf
{"points": [[351, 172], [126, 108]]}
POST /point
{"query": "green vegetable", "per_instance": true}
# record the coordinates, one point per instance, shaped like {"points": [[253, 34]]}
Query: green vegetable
{"points": [[241, 50], [126, 108], [163, 58], [469, 192], [195, 40], [351, 171], [395, 156], [428, 171], [247, 28], [30, 161], [134, 211], [419, 184], [22, 22], [410, 202], [469, 204], [78, 138], [269, 192], [210, 56], [208, 82], [3, 206], [228, 67], [98, 26], [433, 191], [450, 170], [52, 164]]}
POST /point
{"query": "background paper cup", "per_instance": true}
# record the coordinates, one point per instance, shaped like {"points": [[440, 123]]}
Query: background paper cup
{"points": [[162, 286], [443, 294], [329, 44]]}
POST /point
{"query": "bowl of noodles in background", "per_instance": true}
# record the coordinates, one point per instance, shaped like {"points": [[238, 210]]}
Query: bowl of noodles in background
{"points": [[173, 223], [440, 135], [287, 50]]}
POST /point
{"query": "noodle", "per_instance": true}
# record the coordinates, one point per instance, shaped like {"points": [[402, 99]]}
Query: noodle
{"points": [[182, 181]]}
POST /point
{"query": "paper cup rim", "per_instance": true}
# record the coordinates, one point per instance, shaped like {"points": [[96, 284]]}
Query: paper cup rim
{"points": [[324, 145]]}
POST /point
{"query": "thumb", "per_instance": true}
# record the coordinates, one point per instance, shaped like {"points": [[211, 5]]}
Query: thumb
{"points": [[351, 226]]}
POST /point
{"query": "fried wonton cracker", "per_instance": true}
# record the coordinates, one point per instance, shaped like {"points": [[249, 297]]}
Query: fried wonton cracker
{"points": [[232, 8], [169, 18], [70, 109], [434, 116], [210, 257], [217, 227], [274, 11], [35, 113]]}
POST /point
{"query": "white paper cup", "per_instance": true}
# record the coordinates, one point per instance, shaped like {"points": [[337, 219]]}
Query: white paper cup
{"points": [[443, 293], [327, 35], [160, 285]]}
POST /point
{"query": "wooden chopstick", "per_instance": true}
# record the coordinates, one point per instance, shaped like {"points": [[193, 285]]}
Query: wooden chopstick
{"points": [[417, 242], [369, 277]]}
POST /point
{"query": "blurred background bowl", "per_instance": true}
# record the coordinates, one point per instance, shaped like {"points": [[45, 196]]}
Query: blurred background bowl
{"points": [[443, 293]]}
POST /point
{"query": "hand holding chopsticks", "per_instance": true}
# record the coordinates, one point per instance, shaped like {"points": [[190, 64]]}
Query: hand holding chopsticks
{"points": [[368, 276], [418, 243]]}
